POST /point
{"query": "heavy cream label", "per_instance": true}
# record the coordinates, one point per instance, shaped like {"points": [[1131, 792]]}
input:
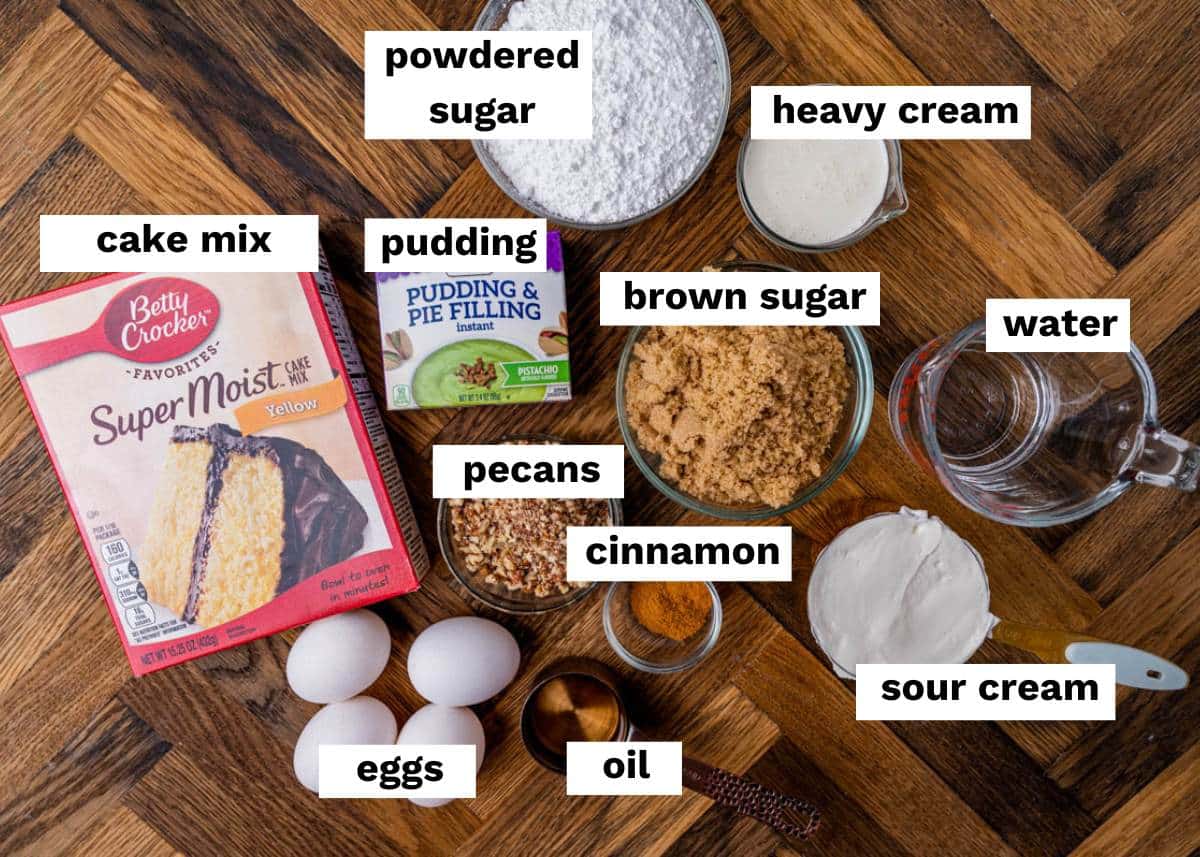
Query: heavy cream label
{"points": [[890, 112]]}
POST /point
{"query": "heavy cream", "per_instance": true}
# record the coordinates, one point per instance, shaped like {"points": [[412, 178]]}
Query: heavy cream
{"points": [[899, 588], [815, 192]]}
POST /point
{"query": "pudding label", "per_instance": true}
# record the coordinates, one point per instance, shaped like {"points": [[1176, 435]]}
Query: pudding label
{"points": [[430, 244]]}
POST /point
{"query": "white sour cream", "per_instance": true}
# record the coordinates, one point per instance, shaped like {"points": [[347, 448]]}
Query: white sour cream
{"points": [[899, 588]]}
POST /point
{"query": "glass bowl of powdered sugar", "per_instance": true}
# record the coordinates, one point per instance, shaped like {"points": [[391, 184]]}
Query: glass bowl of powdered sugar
{"points": [[661, 90]]}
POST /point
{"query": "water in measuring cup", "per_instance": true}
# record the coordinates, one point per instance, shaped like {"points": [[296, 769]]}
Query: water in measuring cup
{"points": [[1032, 433]]}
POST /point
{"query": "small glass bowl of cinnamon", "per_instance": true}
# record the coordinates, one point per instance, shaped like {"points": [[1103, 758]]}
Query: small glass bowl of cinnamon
{"points": [[662, 627]]}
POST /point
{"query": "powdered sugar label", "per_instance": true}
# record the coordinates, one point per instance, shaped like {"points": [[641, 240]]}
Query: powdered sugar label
{"points": [[476, 85]]}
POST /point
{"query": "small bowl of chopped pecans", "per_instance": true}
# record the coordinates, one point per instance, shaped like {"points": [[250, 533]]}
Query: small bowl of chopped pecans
{"points": [[512, 554]]}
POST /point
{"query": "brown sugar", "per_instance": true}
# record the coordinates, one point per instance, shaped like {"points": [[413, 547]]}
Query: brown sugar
{"points": [[675, 610], [738, 415]]}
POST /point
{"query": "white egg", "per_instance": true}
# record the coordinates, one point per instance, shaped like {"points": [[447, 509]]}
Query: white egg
{"points": [[442, 724], [338, 657], [463, 661], [361, 720]]}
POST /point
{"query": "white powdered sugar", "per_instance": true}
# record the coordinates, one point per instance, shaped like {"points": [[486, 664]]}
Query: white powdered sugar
{"points": [[658, 101]]}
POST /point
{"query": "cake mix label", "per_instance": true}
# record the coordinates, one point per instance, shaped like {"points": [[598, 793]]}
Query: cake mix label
{"points": [[219, 448], [459, 339]]}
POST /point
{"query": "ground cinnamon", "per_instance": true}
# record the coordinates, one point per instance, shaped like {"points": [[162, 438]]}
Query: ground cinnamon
{"points": [[675, 610]]}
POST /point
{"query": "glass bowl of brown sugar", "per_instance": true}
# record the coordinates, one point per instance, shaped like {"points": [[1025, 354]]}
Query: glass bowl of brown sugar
{"points": [[662, 627]]}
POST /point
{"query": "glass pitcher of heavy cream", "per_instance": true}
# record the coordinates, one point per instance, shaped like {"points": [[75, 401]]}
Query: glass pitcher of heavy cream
{"points": [[1035, 439]]}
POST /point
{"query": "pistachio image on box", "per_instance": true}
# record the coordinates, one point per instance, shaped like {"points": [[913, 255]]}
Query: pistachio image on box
{"points": [[453, 340]]}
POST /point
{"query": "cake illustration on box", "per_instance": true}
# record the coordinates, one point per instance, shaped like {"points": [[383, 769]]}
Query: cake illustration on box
{"points": [[238, 520]]}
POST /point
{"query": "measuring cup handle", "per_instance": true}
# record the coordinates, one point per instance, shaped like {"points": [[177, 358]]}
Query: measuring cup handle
{"points": [[790, 816], [1167, 460]]}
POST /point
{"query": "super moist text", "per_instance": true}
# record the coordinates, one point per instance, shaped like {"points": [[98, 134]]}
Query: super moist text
{"points": [[205, 393]]}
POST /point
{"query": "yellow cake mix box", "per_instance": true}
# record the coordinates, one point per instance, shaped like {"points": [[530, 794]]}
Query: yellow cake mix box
{"points": [[221, 452]]}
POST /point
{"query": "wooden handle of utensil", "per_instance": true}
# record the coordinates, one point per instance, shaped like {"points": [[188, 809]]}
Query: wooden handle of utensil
{"points": [[1134, 667], [790, 816], [1049, 644]]}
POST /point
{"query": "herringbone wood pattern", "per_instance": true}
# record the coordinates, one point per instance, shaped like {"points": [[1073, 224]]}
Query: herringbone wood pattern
{"points": [[213, 106]]}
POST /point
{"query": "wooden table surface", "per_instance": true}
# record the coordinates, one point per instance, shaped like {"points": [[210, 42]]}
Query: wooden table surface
{"points": [[216, 106]]}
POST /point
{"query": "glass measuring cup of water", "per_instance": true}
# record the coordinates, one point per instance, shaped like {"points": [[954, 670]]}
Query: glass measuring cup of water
{"points": [[1034, 439]]}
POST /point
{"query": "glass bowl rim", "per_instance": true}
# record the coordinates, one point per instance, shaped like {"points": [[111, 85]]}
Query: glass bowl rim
{"points": [[715, 621], [486, 21]]}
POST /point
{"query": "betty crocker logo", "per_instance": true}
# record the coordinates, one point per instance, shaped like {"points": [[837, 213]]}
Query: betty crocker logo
{"points": [[161, 319], [153, 321]]}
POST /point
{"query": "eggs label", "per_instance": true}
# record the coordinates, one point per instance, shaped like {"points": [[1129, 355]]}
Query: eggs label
{"points": [[624, 768], [390, 771]]}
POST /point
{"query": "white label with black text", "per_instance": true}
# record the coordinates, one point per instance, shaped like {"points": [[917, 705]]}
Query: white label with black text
{"points": [[761, 554], [397, 770], [985, 691], [534, 470], [1058, 324], [477, 84], [624, 768], [890, 112], [433, 245], [708, 298], [179, 243]]}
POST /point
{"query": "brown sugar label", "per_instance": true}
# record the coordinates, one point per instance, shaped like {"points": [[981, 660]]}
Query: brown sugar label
{"points": [[291, 406]]}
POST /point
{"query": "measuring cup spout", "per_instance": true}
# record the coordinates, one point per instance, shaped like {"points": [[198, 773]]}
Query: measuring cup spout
{"points": [[1167, 460]]}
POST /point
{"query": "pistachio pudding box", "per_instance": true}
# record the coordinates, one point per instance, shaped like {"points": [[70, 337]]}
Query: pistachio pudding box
{"points": [[461, 339]]}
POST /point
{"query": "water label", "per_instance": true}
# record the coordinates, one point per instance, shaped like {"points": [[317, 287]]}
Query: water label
{"points": [[1057, 324]]}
